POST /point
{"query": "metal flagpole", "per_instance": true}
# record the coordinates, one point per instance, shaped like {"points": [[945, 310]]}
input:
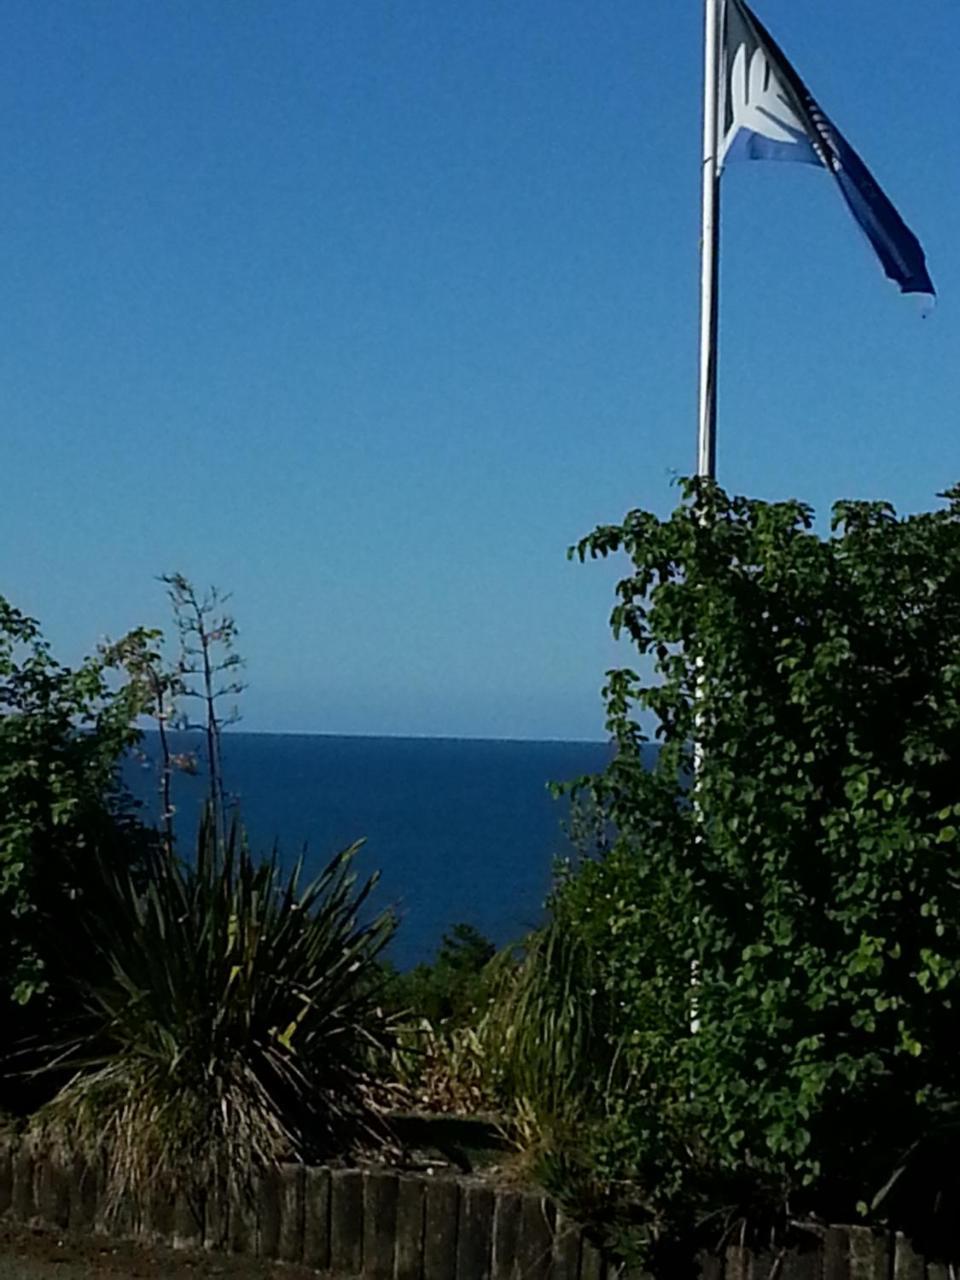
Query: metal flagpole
{"points": [[709, 245], [709, 290]]}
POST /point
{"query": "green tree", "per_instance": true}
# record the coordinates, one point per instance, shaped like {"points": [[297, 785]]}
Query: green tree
{"points": [[802, 904], [453, 986], [63, 732], [155, 687]]}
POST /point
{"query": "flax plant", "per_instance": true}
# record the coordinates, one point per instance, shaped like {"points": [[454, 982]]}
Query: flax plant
{"points": [[235, 1022], [550, 1043]]}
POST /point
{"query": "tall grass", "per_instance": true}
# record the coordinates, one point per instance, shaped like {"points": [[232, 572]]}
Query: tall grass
{"points": [[537, 1044], [549, 1038], [235, 1021]]}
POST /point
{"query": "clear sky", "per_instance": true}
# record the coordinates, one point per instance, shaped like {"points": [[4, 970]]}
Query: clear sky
{"points": [[365, 309]]}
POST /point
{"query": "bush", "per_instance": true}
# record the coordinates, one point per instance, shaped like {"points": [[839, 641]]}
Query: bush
{"points": [[440, 1063], [453, 987], [237, 1021], [63, 733], [802, 908]]}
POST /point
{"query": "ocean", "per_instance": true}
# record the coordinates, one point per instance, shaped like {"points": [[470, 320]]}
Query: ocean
{"points": [[461, 830]]}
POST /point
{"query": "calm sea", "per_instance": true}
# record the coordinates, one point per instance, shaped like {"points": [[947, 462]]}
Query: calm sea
{"points": [[461, 830]]}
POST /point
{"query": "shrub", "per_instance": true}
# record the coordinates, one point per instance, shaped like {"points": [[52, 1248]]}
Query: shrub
{"points": [[236, 1022], [453, 987], [440, 1062], [444, 1069], [802, 908], [63, 733]]}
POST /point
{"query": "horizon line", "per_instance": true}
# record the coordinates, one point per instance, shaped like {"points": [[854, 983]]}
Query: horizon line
{"points": [[398, 737]]}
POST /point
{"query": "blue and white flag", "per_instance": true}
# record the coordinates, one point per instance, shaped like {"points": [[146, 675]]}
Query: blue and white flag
{"points": [[767, 113]]}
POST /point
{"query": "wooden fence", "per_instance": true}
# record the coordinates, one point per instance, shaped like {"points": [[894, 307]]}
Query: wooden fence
{"points": [[386, 1226]]}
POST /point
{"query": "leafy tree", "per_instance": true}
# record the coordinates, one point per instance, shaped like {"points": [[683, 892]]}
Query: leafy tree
{"points": [[63, 732], [802, 906], [139, 655], [453, 986]]}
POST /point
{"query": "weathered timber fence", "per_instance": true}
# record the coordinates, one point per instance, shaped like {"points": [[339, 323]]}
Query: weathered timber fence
{"points": [[381, 1225]]}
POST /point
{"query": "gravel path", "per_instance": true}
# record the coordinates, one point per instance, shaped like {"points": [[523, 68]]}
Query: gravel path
{"points": [[43, 1255]]}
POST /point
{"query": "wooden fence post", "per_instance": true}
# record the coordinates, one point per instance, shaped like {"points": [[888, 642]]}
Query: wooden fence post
{"points": [[566, 1248], [591, 1261], [84, 1195], [441, 1203], [836, 1254], [242, 1218], [52, 1191], [907, 1265], [535, 1245], [216, 1219], [475, 1233], [316, 1219], [380, 1193], [23, 1199], [506, 1234], [868, 1254], [803, 1264], [290, 1242], [268, 1213], [346, 1222], [736, 1263], [6, 1174], [410, 1217]]}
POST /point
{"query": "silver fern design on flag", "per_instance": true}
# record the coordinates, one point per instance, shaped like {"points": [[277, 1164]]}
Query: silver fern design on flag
{"points": [[761, 109], [766, 112]]}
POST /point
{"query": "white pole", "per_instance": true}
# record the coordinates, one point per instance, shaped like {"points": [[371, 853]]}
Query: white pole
{"points": [[709, 246], [709, 290]]}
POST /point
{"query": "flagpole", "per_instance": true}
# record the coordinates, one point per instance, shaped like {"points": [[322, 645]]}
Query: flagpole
{"points": [[709, 246], [709, 313]]}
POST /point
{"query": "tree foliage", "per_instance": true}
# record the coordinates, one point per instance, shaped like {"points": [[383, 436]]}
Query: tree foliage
{"points": [[801, 904], [453, 987], [63, 732]]}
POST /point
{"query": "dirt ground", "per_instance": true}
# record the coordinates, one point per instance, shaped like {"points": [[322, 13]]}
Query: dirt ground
{"points": [[27, 1254]]}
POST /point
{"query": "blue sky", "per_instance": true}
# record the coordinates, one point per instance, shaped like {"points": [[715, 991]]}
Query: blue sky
{"points": [[365, 309]]}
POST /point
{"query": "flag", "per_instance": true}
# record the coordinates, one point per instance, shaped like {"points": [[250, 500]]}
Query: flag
{"points": [[767, 113]]}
